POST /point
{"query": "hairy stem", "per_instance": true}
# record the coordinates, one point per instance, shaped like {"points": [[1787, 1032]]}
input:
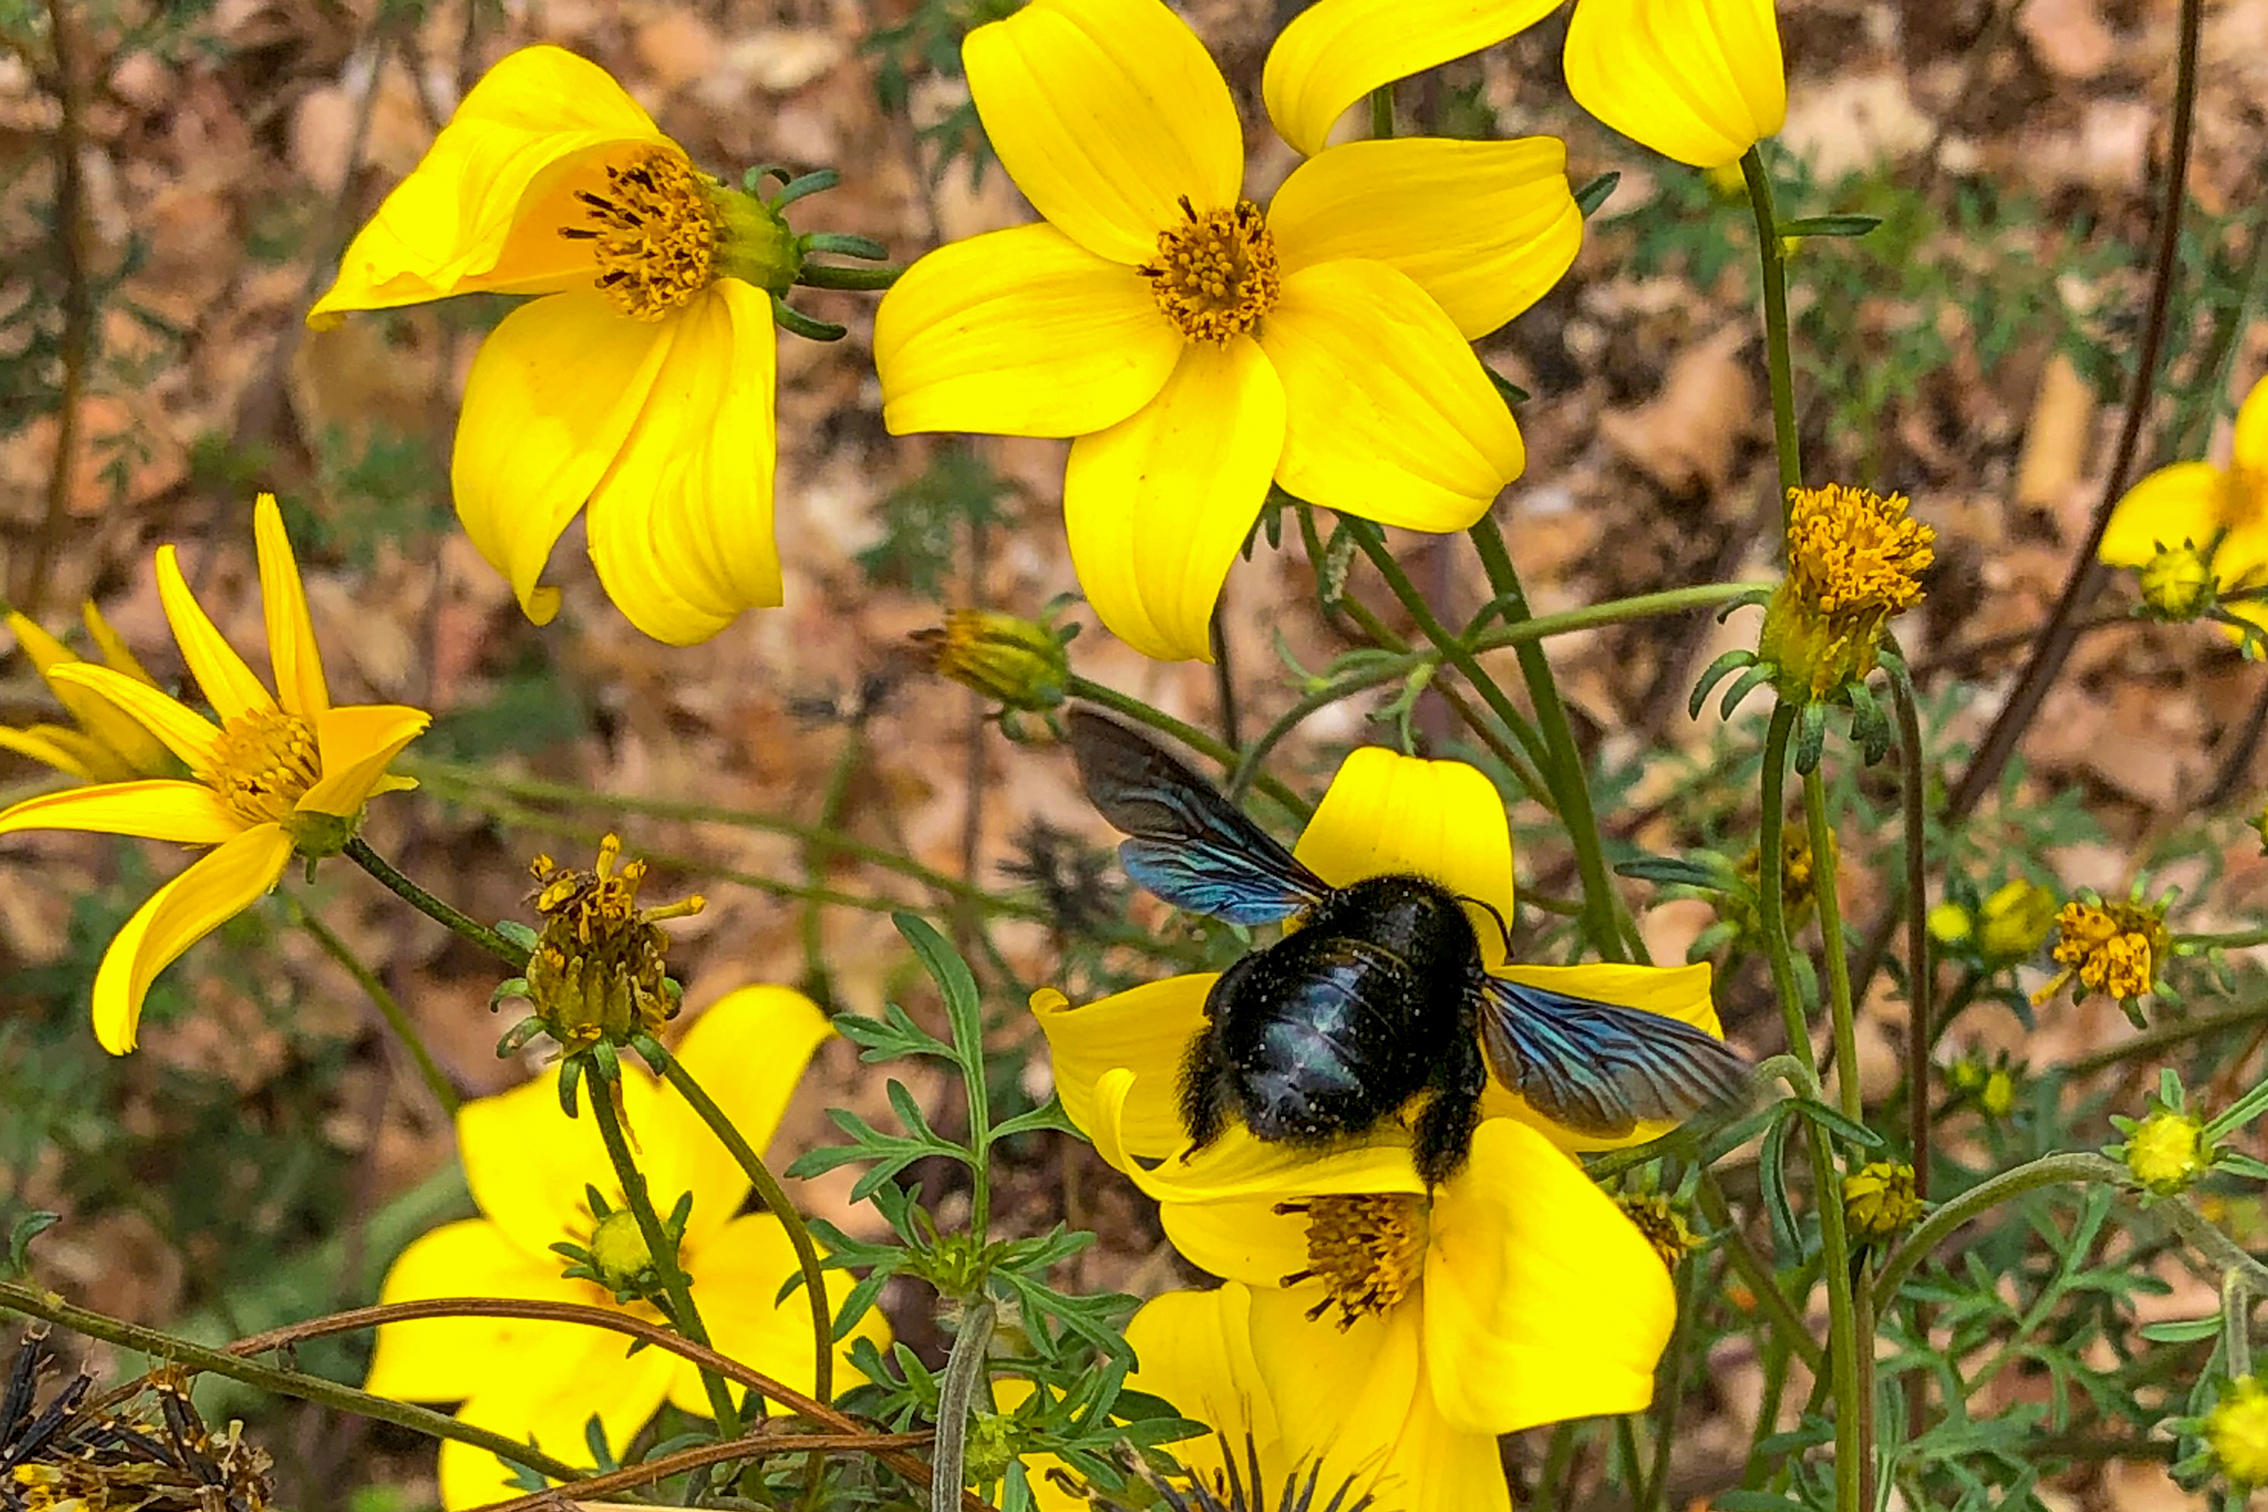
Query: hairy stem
{"points": [[1824, 854], [1772, 261], [2048, 1170], [359, 852]]}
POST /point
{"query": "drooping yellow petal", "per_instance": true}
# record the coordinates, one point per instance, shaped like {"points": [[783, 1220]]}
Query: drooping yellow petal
{"points": [[681, 526], [1385, 812], [1106, 113], [450, 1359], [188, 813], [231, 687], [185, 732], [1341, 1397], [68, 751], [1389, 415], [1678, 992], [1158, 506], [1484, 228], [527, 1162], [292, 653], [354, 743], [116, 654], [552, 396], [1237, 1165], [1336, 51], [550, 1399], [2169, 506], [1147, 1030], [1696, 80], [1194, 1349], [540, 117], [748, 1051], [219, 886], [1542, 1301], [736, 1273], [1244, 1239], [128, 744], [1021, 332]]}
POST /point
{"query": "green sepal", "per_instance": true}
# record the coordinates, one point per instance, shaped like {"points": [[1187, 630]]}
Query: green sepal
{"points": [[570, 1078], [1811, 737], [1594, 194], [1869, 726], [1830, 225], [794, 320], [1715, 673], [1755, 677]]}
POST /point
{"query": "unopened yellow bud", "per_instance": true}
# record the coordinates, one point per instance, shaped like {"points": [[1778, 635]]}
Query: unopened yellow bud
{"points": [[2166, 1152], [1998, 1094], [2014, 921], [2237, 1431], [2177, 583], [1950, 923], [1018, 663], [618, 1250], [1879, 1201]]}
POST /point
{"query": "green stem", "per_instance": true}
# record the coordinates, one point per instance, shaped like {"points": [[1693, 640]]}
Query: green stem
{"points": [[1921, 971], [397, 1018], [2225, 1253], [359, 852], [775, 1199], [1772, 259], [1189, 735], [2168, 1032], [1382, 112], [1576, 812], [1772, 886], [2048, 1170], [35, 1302], [956, 1401], [683, 1314], [2235, 939], [1823, 857], [818, 856], [1757, 1273]]}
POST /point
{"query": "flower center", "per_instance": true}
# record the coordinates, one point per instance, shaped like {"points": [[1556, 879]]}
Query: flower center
{"points": [[263, 764], [653, 233], [2110, 947], [1215, 276], [1852, 552], [1368, 1251], [600, 968]]}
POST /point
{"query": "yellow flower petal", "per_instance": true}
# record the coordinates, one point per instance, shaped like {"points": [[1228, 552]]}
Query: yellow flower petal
{"points": [[1678, 992], [748, 1050], [1146, 1029], [354, 743], [1336, 51], [549, 1399], [1158, 506], [1341, 1397], [1020, 332], [681, 526], [736, 1273], [552, 396], [1237, 1165], [1439, 1467], [68, 751], [126, 743], [1484, 228], [292, 652], [230, 686], [1385, 812], [2250, 446], [186, 733], [1194, 1349], [1244, 1240], [1696, 80], [527, 1162], [2169, 506], [116, 655], [1542, 1301], [1106, 113], [450, 1359], [482, 210], [220, 885], [1388, 412], [188, 813]]}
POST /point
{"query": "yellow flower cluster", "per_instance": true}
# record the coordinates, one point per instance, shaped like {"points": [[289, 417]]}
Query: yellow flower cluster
{"points": [[1855, 561], [2114, 948]]}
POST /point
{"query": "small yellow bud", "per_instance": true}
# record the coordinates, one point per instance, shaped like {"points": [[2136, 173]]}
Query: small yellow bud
{"points": [[1019, 663], [618, 1250], [2177, 583], [2167, 1152], [1998, 1094], [1879, 1202], [2014, 922], [1950, 923], [2237, 1431]]}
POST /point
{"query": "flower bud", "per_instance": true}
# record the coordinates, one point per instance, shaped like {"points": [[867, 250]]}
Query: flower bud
{"points": [[2014, 922], [2236, 1430], [2177, 583], [619, 1252], [1018, 663], [1879, 1202], [2167, 1151]]}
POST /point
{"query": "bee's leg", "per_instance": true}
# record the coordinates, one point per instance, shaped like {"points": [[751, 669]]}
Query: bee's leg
{"points": [[1445, 1126], [1204, 1088]]}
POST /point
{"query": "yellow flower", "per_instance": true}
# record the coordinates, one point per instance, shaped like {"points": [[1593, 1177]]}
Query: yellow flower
{"points": [[528, 1166], [1879, 1202], [2221, 511], [2237, 1430], [1855, 561], [107, 746], [2109, 947], [1197, 347], [1383, 813], [600, 967], [640, 383], [2167, 1151], [1700, 81], [280, 773]]}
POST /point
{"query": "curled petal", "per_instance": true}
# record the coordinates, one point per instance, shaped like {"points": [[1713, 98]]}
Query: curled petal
{"points": [[1336, 51], [1385, 812], [551, 399], [1145, 1029], [2169, 506], [1389, 415], [1244, 1239], [230, 686], [1696, 80], [292, 653], [1158, 506], [1020, 332], [1107, 114], [1484, 228], [681, 526], [1542, 1301], [355, 743], [1236, 1166], [188, 813], [483, 208], [186, 733], [220, 885]]}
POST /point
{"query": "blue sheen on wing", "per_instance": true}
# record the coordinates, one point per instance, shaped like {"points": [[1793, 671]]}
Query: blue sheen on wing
{"points": [[1599, 1069]]}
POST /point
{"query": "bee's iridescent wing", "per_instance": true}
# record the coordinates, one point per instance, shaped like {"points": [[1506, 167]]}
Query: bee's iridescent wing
{"points": [[1190, 845], [1599, 1069]]}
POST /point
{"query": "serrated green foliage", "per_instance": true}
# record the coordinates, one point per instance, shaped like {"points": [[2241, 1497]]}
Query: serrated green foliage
{"points": [[924, 522]]}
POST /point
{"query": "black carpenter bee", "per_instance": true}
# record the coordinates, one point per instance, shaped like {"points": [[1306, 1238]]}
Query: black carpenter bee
{"points": [[1378, 996]]}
